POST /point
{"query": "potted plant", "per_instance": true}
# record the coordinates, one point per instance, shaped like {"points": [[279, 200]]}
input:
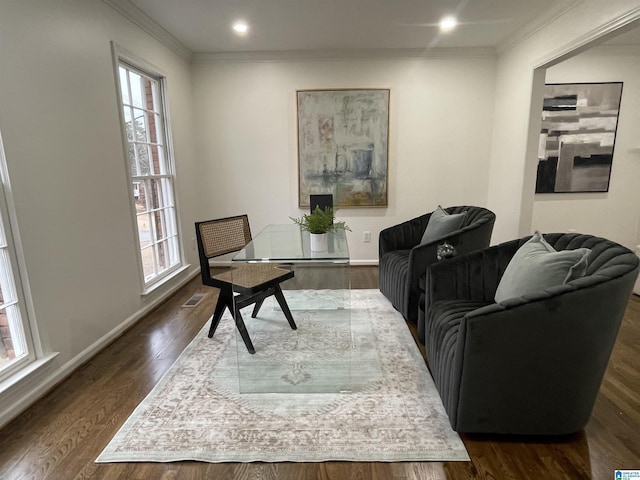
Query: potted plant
{"points": [[318, 223]]}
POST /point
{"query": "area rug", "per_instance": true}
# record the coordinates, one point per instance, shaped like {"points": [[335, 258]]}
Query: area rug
{"points": [[381, 406]]}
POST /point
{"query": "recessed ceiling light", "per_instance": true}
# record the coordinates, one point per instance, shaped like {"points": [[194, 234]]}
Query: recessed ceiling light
{"points": [[240, 27], [448, 23]]}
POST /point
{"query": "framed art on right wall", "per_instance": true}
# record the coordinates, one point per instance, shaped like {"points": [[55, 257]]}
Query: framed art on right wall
{"points": [[577, 138]]}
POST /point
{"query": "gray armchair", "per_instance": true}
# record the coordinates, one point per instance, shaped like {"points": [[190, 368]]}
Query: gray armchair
{"points": [[532, 364], [402, 259]]}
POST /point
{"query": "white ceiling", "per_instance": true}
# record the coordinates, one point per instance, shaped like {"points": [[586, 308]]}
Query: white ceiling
{"points": [[204, 26]]}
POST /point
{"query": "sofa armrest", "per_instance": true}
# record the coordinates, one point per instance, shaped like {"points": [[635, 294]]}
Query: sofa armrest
{"points": [[403, 236], [424, 255], [421, 258], [473, 277]]}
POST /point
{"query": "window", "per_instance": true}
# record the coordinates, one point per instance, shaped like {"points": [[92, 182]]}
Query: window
{"points": [[150, 172], [16, 344]]}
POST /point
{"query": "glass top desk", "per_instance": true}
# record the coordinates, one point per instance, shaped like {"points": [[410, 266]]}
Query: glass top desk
{"points": [[289, 244], [317, 357]]}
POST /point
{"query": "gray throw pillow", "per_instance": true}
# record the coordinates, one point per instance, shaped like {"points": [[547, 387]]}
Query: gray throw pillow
{"points": [[537, 266], [441, 224]]}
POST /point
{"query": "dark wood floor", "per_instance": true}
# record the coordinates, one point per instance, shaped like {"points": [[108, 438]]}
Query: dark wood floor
{"points": [[61, 435]]}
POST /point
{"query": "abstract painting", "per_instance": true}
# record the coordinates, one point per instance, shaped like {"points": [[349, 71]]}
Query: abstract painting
{"points": [[579, 122], [343, 146]]}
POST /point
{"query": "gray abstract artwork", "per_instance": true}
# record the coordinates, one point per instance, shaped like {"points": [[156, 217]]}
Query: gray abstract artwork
{"points": [[579, 122], [343, 146]]}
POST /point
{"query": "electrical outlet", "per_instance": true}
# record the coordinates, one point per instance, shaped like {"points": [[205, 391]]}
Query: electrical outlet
{"points": [[366, 236], [194, 245]]}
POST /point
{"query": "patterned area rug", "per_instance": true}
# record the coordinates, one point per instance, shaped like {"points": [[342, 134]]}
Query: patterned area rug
{"points": [[381, 405]]}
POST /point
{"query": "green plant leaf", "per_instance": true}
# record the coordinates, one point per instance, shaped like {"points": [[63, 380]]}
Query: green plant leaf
{"points": [[320, 221]]}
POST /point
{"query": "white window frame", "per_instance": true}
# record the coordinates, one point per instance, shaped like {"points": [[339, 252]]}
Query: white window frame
{"points": [[132, 62], [25, 335]]}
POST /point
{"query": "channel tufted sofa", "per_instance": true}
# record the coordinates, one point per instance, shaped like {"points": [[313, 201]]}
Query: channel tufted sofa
{"points": [[402, 259], [532, 364]]}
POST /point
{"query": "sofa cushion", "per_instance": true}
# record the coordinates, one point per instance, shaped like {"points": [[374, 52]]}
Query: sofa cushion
{"points": [[441, 224], [536, 266]]}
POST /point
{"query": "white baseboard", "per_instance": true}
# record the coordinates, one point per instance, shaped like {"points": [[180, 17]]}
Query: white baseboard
{"points": [[41, 380]]}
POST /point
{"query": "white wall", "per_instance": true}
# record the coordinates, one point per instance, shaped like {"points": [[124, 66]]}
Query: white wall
{"points": [[515, 129], [615, 214], [440, 124], [61, 130]]}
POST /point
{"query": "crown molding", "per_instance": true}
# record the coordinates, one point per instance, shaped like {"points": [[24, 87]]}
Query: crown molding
{"points": [[146, 23], [320, 55], [586, 41], [541, 21]]}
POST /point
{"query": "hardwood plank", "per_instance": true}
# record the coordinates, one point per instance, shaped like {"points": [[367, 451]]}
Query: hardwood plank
{"points": [[60, 436]]}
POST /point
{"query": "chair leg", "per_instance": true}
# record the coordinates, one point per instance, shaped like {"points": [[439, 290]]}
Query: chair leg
{"points": [[243, 331], [225, 300], [285, 308], [256, 308]]}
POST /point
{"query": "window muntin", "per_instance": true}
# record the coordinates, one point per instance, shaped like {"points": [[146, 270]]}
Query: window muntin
{"points": [[150, 171], [16, 345]]}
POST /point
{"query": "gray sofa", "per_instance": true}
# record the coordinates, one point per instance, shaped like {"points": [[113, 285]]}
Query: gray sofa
{"points": [[402, 259], [531, 364]]}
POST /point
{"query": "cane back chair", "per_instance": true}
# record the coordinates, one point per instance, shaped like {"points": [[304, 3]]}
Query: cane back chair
{"points": [[242, 286]]}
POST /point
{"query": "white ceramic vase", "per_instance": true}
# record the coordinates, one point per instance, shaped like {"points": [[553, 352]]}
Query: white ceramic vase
{"points": [[318, 242]]}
